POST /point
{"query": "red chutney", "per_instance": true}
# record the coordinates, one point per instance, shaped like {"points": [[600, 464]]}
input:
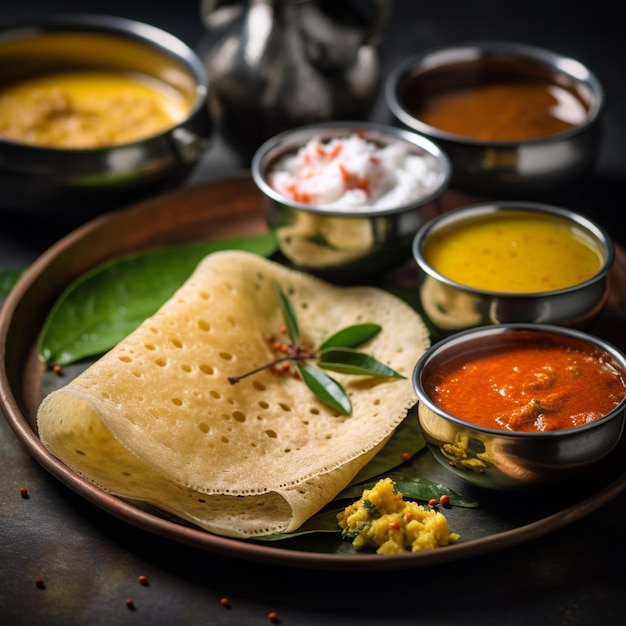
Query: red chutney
{"points": [[529, 388]]}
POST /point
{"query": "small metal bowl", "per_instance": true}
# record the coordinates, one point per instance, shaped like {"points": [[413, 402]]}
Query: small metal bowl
{"points": [[451, 306], [347, 243], [505, 460], [77, 183], [517, 167]]}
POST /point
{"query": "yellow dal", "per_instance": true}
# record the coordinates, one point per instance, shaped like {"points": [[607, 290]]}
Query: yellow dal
{"points": [[88, 109], [514, 252]]}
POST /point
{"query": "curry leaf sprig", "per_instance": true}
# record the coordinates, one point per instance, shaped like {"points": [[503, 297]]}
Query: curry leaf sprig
{"points": [[338, 353]]}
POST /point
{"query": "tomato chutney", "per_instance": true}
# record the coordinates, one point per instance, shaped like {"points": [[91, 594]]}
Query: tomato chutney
{"points": [[530, 387]]}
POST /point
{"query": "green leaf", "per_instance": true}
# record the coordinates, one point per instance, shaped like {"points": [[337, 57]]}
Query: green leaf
{"points": [[411, 488], [347, 361], [425, 490], [328, 390], [407, 438], [418, 489], [289, 315], [106, 304], [8, 278], [352, 336], [323, 522]]}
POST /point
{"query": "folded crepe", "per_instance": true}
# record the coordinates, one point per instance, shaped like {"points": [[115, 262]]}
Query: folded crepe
{"points": [[156, 420]]}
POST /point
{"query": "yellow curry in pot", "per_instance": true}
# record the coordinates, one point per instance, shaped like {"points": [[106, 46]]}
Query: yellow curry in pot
{"points": [[87, 109]]}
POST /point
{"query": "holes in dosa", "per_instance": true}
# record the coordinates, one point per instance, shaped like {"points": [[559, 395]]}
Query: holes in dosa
{"points": [[204, 325]]}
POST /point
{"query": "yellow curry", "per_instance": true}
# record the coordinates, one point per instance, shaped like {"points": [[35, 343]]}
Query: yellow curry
{"points": [[514, 252], [88, 109]]}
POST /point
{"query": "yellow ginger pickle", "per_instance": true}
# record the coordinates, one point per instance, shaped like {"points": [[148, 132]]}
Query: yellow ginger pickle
{"points": [[382, 519], [515, 252]]}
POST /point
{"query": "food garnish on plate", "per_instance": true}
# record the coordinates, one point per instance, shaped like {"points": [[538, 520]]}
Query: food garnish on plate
{"points": [[156, 419], [384, 520]]}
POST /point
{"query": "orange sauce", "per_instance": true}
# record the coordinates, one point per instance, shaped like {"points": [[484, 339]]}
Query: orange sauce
{"points": [[513, 111], [529, 388]]}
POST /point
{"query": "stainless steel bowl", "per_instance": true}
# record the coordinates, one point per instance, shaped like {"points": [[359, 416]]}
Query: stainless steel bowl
{"points": [[78, 183], [502, 168], [451, 306], [507, 460], [344, 243]]}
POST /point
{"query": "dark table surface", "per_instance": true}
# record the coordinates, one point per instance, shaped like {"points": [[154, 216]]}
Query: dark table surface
{"points": [[91, 560]]}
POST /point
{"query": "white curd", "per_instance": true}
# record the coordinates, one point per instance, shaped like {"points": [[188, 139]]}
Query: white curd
{"points": [[352, 173]]}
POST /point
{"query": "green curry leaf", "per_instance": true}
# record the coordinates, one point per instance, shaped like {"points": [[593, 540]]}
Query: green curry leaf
{"points": [[289, 315], [407, 439], [352, 336], [348, 361], [337, 354], [411, 488], [425, 490], [327, 389], [104, 305]]}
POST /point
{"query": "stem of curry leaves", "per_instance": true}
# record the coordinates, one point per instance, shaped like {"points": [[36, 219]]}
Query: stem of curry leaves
{"points": [[336, 353]]}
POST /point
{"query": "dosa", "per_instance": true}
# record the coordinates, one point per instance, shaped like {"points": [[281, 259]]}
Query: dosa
{"points": [[156, 420]]}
